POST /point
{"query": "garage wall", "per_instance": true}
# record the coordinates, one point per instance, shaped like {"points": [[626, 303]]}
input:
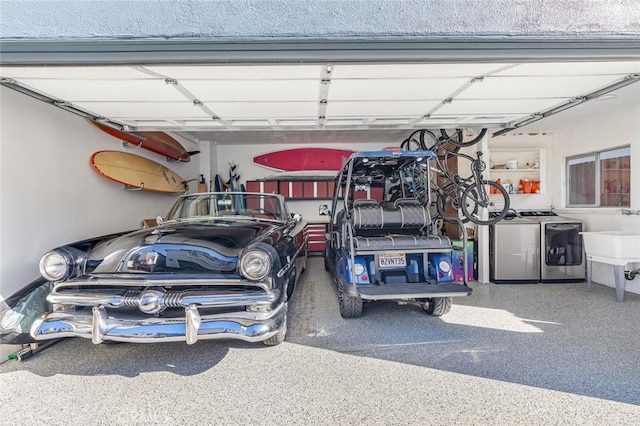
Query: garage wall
{"points": [[243, 153], [325, 19], [50, 194], [616, 128]]}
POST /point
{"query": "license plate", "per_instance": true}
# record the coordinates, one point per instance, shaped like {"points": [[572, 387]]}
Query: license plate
{"points": [[392, 260]]}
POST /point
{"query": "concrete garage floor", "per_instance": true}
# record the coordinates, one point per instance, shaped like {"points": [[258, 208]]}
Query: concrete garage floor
{"points": [[509, 354]]}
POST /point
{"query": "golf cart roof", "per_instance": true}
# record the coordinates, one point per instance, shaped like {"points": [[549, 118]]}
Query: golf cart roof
{"points": [[383, 163]]}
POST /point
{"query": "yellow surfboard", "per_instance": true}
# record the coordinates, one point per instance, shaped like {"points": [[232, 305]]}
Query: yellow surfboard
{"points": [[137, 172]]}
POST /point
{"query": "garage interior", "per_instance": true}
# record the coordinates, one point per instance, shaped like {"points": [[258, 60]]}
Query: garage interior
{"points": [[234, 112], [543, 353]]}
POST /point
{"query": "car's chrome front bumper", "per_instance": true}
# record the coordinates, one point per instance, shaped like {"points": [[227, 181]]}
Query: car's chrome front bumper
{"points": [[99, 326]]}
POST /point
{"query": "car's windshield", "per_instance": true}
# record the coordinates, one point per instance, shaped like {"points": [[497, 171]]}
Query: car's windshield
{"points": [[219, 204]]}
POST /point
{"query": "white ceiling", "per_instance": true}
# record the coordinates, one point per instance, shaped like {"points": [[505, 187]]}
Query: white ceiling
{"points": [[200, 98]]}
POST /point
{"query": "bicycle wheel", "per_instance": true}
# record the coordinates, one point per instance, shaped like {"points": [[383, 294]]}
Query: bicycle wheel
{"points": [[410, 144], [463, 167], [474, 200], [418, 140], [430, 200], [449, 195], [463, 137], [442, 146]]}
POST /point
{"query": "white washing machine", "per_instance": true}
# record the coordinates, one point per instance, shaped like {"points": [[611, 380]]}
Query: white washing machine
{"points": [[562, 257]]}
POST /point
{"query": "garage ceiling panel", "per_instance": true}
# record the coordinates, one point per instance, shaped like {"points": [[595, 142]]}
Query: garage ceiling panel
{"points": [[75, 73], [394, 89], [379, 108], [154, 90], [363, 96], [264, 110], [253, 90], [413, 70], [144, 110], [501, 106], [573, 68], [239, 72], [344, 122], [471, 119], [535, 87]]}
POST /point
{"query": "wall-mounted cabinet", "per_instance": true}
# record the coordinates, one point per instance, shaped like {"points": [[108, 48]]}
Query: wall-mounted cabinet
{"points": [[294, 189], [524, 169]]}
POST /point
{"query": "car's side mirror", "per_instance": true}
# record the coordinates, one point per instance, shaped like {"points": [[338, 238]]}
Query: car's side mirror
{"points": [[297, 218]]}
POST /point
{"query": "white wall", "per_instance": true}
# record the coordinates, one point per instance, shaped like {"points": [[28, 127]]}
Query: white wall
{"points": [[51, 195], [617, 127]]}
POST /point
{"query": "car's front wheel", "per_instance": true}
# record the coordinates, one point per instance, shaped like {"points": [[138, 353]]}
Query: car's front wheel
{"points": [[438, 306], [350, 306], [279, 337]]}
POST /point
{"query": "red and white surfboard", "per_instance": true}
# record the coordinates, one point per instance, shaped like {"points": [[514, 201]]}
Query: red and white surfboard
{"points": [[301, 159]]}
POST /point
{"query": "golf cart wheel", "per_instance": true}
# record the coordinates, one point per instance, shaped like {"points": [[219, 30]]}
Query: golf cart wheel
{"points": [[350, 306], [438, 306]]}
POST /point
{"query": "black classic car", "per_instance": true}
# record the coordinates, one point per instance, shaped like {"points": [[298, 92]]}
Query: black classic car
{"points": [[220, 265], [381, 240]]}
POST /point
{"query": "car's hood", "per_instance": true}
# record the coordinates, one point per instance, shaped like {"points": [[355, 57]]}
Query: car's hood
{"points": [[204, 246]]}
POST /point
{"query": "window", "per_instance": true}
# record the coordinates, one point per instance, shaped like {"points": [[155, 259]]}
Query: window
{"points": [[601, 179]]}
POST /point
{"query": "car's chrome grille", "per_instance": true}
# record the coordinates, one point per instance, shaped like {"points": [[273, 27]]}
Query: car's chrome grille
{"points": [[155, 299]]}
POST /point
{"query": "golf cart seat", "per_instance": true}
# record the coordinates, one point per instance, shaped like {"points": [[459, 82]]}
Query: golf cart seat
{"points": [[403, 242], [401, 216], [397, 227]]}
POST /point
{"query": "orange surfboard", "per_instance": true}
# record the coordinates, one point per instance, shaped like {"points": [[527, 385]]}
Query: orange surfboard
{"points": [[137, 172], [158, 142]]}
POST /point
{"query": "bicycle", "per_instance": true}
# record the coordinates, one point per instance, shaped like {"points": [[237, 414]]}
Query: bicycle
{"points": [[474, 194], [467, 194], [449, 141]]}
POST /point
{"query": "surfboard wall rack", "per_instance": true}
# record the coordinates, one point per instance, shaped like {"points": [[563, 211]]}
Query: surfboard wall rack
{"points": [[134, 188], [132, 145]]}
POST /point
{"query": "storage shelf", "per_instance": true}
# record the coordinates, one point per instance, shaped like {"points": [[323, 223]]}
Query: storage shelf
{"points": [[525, 158], [524, 193], [513, 170]]}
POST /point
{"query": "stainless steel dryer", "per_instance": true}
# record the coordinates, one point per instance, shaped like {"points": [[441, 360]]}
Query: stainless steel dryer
{"points": [[562, 257]]}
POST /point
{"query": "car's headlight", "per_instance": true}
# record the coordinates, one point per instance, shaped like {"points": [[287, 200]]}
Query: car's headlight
{"points": [[62, 263], [54, 266], [255, 265], [358, 269]]}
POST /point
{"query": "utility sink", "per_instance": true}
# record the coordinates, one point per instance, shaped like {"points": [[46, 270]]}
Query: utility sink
{"points": [[615, 248]]}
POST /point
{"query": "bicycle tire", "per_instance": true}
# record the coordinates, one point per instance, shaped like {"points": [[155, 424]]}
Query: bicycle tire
{"points": [[463, 137], [442, 147], [410, 145], [461, 166], [448, 194], [431, 202], [428, 139], [420, 139], [500, 198]]}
